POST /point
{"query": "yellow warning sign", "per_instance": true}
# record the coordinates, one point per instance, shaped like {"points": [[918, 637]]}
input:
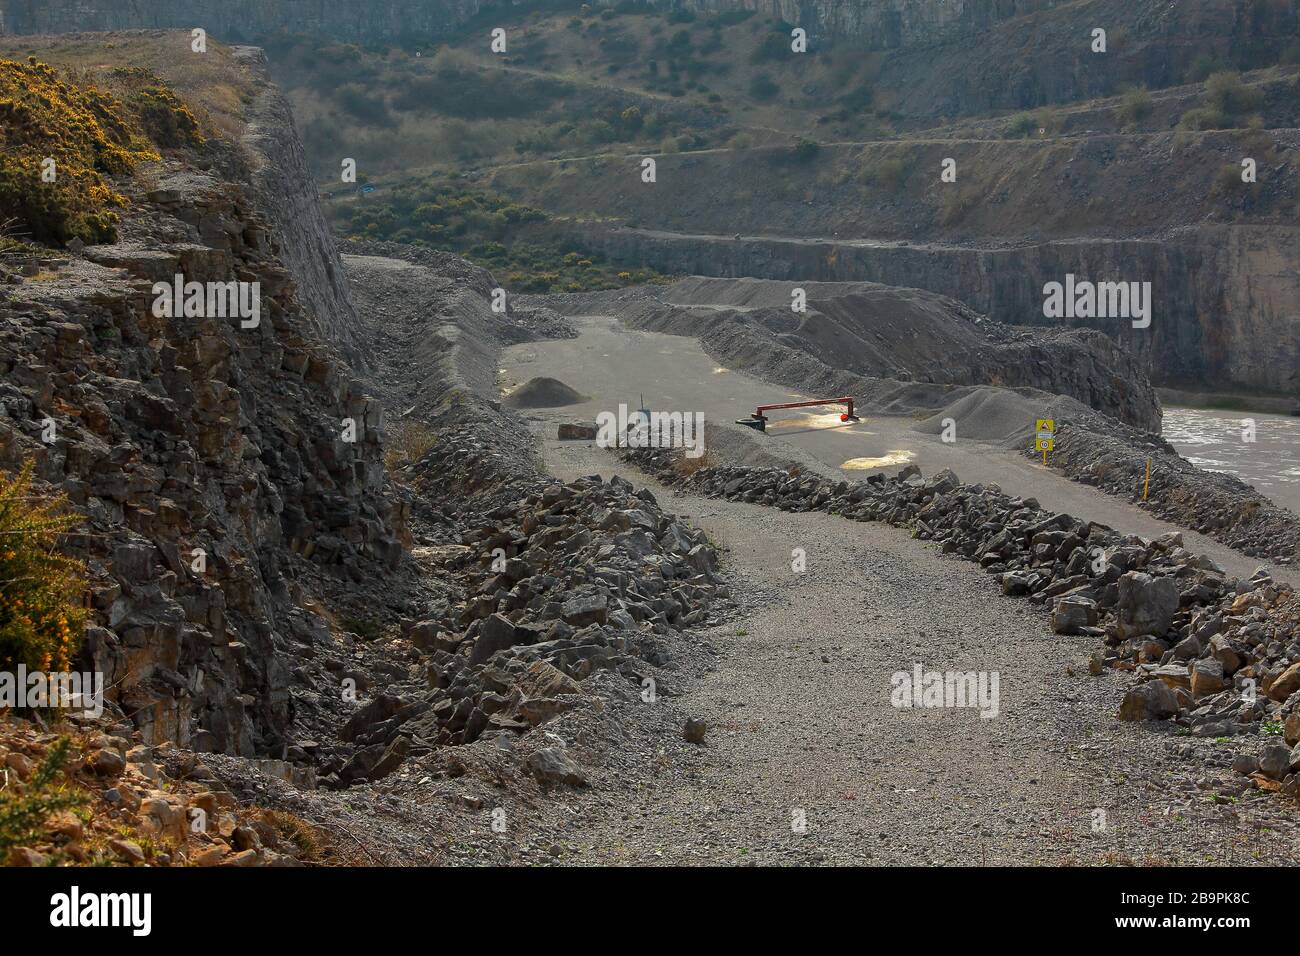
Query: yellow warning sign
{"points": [[1044, 434]]}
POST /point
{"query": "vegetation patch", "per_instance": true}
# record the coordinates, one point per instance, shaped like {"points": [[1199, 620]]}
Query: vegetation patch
{"points": [[62, 136], [25, 807], [482, 226], [41, 590], [1229, 104]]}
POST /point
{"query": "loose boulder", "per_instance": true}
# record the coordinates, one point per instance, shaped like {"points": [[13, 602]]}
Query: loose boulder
{"points": [[1146, 605], [1150, 701]]}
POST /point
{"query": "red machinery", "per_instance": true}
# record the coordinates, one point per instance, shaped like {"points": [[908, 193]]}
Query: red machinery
{"points": [[759, 420]]}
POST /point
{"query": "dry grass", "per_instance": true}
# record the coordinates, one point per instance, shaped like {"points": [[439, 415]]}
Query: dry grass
{"points": [[408, 442], [688, 466]]}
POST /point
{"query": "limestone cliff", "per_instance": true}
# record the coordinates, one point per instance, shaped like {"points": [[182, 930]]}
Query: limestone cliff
{"points": [[1225, 296], [228, 507]]}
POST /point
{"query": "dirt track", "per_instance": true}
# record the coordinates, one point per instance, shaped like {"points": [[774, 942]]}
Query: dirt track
{"points": [[800, 716]]}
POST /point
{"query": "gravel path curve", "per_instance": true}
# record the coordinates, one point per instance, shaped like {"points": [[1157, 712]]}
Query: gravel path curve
{"points": [[802, 728]]}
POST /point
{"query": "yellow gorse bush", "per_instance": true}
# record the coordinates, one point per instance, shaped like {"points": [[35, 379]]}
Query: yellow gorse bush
{"points": [[42, 613], [89, 133]]}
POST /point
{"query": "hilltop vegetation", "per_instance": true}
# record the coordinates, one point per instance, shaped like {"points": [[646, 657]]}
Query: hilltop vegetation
{"points": [[61, 139], [480, 225], [556, 123], [626, 77]]}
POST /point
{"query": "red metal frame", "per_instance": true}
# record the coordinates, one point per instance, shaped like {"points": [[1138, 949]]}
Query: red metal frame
{"points": [[844, 417]]}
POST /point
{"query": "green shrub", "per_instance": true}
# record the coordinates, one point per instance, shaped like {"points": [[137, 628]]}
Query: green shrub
{"points": [[88, 133], [1226, 93], [41, 590], [1022, 124], [165, 118], [1229, 180], [890, 173], [806, 150], [1201, 68], [24, 807], [1204, 118], [1134, 106], [772, 47], [761, 87]]}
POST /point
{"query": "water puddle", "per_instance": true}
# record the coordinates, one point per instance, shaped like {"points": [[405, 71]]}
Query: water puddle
{"points": [[897, 456]]}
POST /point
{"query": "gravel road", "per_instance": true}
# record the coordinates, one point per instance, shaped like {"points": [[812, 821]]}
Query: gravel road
{"points": [[614, 364], [797, 697], [798, 705]]}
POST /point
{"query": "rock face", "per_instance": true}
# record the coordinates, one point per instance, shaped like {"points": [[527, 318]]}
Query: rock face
{"points": [[244, 20], [212, 459], [287, 193], [1197, 340]]}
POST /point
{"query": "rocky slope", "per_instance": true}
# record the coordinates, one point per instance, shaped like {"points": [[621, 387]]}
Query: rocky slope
{"points": [[905, 337]]}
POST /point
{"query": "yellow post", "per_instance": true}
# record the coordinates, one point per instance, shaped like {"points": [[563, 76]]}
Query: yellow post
{"points": [[1146, 485]]}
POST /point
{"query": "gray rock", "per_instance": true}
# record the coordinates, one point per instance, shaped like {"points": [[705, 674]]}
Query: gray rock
{"points": [[585, 608], [1072, 614], [1150, 701], [1245, 764], [1275, 761], [695, 730], [1207, 677], [1146, 605], [552, 767], [496, 633]]}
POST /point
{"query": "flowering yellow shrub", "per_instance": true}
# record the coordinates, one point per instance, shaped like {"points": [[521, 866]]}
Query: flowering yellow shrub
{"points": [[42, 613], [89, 134]]}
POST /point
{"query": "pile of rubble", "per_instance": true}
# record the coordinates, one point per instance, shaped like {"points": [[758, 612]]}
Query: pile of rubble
{"points": [[1218, 655], [1096, 451], [567, 580], [126, 806]]}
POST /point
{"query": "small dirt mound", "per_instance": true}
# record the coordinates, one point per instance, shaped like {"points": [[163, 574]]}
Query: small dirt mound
{"points": [[990, 414], [543, 393]]}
